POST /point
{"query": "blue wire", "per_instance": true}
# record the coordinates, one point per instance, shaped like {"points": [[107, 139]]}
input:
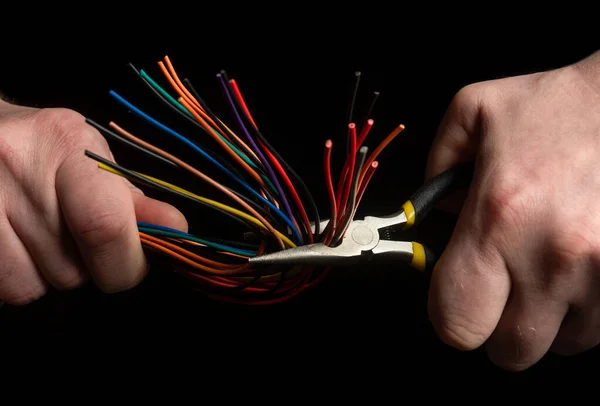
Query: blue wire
{"points": [[207, 156], [163, 228], [142, 226]]}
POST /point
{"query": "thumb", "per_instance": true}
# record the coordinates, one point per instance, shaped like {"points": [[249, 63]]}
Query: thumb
{"points": [[148, 210], [153, 211], [456, 140]]}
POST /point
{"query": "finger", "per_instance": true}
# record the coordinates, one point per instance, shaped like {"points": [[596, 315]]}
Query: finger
{"points": [[99, 211], [579, 332], [457, 136], [456, 141], [469, 288], [50, 245], [526, 330], [20, 281], [153, 211]]}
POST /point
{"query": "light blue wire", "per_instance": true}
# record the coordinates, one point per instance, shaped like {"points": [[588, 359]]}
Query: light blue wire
{"points": [[207, 156]]}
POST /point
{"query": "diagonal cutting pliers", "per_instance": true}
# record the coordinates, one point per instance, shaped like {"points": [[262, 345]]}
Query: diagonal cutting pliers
{"points": [[369, 237]]}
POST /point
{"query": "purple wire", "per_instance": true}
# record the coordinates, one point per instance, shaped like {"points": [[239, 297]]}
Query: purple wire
{"points": [[286, 205]]}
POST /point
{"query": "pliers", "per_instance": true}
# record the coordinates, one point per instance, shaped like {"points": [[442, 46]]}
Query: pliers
{"points": [[369, 237]]}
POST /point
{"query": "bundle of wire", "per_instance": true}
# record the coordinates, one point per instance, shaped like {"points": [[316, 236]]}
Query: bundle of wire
{"points": [[262, 195]]}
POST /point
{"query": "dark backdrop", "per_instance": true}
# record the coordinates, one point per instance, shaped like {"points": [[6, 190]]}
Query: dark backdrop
{"points": [[297, 85]]}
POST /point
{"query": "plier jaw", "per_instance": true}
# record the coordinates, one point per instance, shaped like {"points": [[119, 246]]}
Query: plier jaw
{"points": [[362, 240]]}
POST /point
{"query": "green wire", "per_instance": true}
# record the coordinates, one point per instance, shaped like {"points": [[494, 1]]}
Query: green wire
{"points": [[186, 111], [164, 93], [181, 236]]}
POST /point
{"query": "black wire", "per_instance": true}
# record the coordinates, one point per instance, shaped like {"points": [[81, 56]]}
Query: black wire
{"points": [[351, 107], [353, 100], [218, 122], [370, 111], [158, 186], [225, 130], [313, 206], [133, 145]]}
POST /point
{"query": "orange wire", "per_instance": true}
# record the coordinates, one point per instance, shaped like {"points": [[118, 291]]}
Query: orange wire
{"points": [[174, 74], [231, 152], [202, 176], [368, 177], [180, 91], [197, 244], [191, 263], [190, 254], [378, 150]]}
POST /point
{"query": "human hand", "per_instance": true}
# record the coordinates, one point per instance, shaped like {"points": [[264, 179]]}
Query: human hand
{"points": [[63, 220], [521, 273]]}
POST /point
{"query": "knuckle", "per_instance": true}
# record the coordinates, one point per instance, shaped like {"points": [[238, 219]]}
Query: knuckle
{"points": [[14, 290], [23, 296], [69, 281], [512, 350], [104, 226], [67, 127], [568, 249], [123, 284], [470, 95], [570, 347], [459, 330], [504, 202]]}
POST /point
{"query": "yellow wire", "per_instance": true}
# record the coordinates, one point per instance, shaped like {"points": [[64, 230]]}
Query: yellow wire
{"points": [[213, 203]]}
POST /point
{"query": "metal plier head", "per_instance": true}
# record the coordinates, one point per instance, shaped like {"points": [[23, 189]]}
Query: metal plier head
{"points": [[362, 238]]}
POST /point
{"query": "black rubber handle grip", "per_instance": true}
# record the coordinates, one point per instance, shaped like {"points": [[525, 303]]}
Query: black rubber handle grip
{"points": [[434, 190]]}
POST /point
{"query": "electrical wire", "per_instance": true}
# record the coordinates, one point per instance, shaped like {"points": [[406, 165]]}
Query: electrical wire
{"points": [[178, 108], [298, 202], [267, 202], [231, 212], [313, 205], [198, 149], [243, 201]]}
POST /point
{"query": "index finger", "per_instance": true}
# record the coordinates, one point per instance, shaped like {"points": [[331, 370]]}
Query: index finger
{"points": [[99, 211]]}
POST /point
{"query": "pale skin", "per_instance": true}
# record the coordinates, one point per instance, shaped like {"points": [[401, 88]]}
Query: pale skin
{"points": [[520, 276]]}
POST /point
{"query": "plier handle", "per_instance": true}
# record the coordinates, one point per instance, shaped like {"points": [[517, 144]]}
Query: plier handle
{"points": [[368, 237]]}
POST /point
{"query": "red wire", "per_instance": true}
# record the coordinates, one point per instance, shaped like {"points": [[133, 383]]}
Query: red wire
{"points": [[365, 132], [329, 185], [291, 293], [351, 161], [275, 162], [363, 136]]}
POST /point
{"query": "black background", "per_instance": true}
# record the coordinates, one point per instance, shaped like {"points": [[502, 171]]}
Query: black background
{"points": [[297, 83]]}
